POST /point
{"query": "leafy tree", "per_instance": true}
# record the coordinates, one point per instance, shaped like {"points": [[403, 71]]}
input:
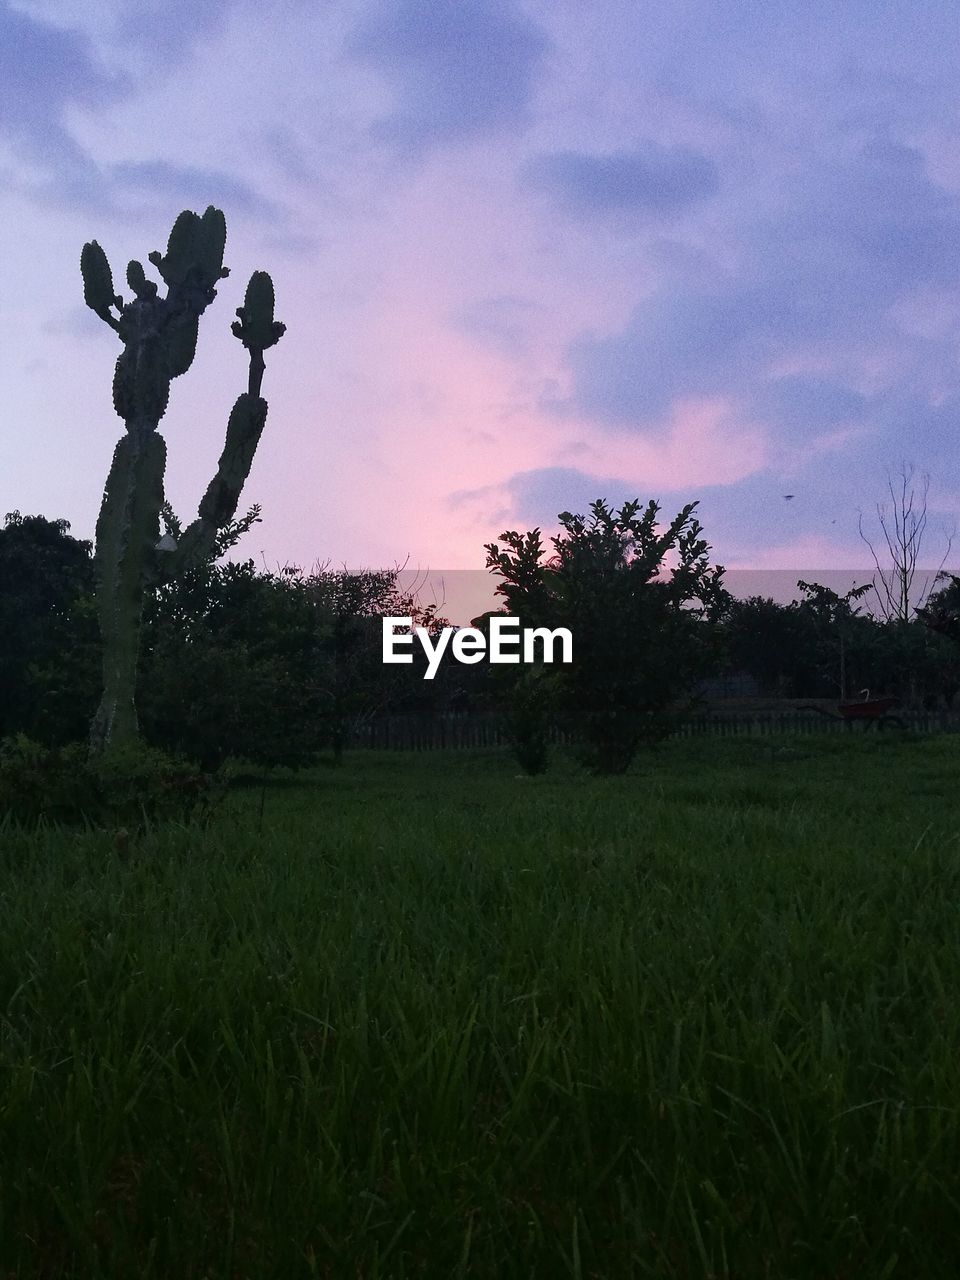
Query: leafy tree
{"points": [[941, 613], [271, 667], [229, 667], [526, 698], [772, 642], [348, 607], [919, 666], [636, 598], [940, 618], [844, 641], [49, 651]]}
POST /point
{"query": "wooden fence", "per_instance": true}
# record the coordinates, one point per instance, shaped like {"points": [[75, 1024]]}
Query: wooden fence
{"points": [[414, 733]]}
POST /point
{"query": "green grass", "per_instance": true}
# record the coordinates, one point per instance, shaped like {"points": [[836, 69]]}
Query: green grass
{"points": [[424, 1017]]}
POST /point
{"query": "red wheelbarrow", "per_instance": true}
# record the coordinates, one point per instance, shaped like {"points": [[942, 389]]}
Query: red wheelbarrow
{"points": [[870, 712], [870, 709]]}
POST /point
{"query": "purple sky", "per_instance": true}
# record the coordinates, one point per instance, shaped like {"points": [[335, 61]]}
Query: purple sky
{"points": [[528, 253]]}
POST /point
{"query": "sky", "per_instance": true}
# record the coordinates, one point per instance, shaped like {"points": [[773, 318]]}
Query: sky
{"points": [[529, 253]]}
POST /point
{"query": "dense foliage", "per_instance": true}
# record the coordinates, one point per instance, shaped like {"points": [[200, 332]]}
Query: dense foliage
{"points": [[234, 661], [274, 667], [127, 789], [49, 646], [636, 598], [826, 646]]}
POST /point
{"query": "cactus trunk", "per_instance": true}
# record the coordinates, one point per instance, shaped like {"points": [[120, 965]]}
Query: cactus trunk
{"points": [[127, 530]]}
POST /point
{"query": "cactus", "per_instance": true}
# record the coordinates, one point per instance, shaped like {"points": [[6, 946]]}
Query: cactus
{"points": [[159, 336]]}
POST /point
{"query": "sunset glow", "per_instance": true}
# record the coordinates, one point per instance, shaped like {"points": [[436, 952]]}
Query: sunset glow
{"points": [[529, 254]]}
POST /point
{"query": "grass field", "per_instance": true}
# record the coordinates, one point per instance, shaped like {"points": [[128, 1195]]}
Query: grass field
{"points": [[424, 1017]]}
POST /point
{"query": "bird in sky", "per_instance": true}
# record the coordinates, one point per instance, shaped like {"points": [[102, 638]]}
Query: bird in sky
{"points": [[788, 497]]}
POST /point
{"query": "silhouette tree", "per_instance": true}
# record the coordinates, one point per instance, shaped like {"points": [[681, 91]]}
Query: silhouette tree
{"points": [[635, 597], [903, 528]]}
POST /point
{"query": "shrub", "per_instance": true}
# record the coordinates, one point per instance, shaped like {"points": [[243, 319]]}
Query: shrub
{"points": [[528, 716], [639, 601], [130, 787]]}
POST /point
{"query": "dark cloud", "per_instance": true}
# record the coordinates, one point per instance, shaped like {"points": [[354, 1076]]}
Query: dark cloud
{"points": [[539, 495], [856, 234], [459, 68], [74, 322], [909, 422], [43, 71], [821, 495], [650, 179], [807, 406], [125, 189], [46, 70], [863, 227], [737, 518], [294, 244], [675, 344], [536, 497], [724, 48]]}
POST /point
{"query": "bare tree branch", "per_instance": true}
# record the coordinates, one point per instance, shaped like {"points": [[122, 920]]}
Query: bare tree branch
{"points": [[903, 530]]}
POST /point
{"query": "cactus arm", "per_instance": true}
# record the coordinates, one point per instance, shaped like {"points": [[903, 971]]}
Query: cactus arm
{"points": [[257, 330], [256, 327], [193, 262], [136, 278], [219, 503], [98, 284]]}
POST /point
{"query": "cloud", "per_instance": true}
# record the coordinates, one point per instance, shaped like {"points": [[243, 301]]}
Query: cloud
{"points": [[802, 331], [698, 449], [536, 497], [458, 68], [131, 186], [674, 344], [540, 494], [193, 188], [807, 406], [74, 322], [43, 71], [165, 29], [502, 322], [47, 71], [650, 179]]}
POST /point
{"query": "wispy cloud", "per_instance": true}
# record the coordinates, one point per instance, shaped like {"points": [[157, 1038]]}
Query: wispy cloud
{"points": [[44, 71], [503, 321], [194, 188]]}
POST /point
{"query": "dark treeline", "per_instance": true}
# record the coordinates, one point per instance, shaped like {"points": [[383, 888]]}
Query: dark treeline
{"points": [[275, 667]]}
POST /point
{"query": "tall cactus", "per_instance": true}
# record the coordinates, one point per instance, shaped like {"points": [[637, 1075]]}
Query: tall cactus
{"points": [[159, 336]]}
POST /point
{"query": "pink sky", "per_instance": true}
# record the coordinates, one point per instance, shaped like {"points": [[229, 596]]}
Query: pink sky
{"points": [[529, 254]]}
